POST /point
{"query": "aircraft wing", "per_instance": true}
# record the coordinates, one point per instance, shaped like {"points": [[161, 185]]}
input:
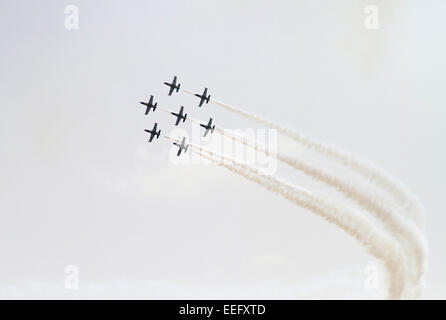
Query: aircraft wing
{"points": [[172, 87], [151, 136], [178, 120], [183, 143], [179, 148]]}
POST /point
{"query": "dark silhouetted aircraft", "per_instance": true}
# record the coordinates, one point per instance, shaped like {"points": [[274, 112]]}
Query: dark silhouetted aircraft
{"points": [[150, 105], [182, 146], [180, 116], [153, 132], [203, 97], [208, 127], [173, 85]]}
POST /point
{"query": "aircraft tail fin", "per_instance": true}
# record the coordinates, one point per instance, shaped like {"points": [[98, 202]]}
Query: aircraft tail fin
{"points": [[185, 149], [209, 96], [178, 88], [158, 134], [185, 117], [212, 130]]}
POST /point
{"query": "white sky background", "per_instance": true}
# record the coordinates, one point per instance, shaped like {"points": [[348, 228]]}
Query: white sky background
{"points": [[79, 184]]}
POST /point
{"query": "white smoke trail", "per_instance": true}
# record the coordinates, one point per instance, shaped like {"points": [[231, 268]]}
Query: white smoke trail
{"points": [[193, 120], [408, 201], [379, 244], [188, 91], [165, 110], [405, 231]]}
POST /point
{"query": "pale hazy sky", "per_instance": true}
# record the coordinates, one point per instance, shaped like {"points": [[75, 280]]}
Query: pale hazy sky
{"points": [[80, 186]]}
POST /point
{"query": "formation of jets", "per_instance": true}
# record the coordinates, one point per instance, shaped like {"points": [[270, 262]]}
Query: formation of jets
{"points": [[174, 86]]}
